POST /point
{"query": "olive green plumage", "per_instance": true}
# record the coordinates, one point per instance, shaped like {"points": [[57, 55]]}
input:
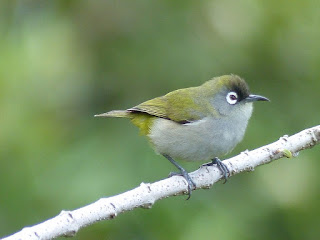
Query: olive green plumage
{"points": [[196, 123], [181, 106]]}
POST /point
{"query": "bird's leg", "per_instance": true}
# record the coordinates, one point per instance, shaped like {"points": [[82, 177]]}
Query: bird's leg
{"points": [[184, 173], [221, 166]]}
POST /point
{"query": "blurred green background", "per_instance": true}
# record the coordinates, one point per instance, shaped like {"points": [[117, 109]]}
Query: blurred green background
{"points": [[61, 62]]}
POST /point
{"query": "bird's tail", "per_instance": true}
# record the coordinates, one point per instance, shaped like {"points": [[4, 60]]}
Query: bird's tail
{"points": [[115, 113]]}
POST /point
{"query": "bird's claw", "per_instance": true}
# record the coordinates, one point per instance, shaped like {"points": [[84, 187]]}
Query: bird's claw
{"points": [[184, 173], [221, 166], [191, 184]]}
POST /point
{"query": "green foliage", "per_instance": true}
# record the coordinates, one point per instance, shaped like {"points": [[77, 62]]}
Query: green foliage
{"points": [[61, 62]]}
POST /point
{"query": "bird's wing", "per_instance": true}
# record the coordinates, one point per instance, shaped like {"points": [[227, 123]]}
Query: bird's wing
{"points": [[180, 106]]}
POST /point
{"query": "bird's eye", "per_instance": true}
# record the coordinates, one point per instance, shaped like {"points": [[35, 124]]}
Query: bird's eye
{"points": [[232, 98]]}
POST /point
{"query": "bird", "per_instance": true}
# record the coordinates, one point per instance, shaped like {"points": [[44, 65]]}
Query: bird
{"points": [[197, 123]]}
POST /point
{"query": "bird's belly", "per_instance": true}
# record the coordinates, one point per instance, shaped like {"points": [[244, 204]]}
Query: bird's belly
{"points": [[199, 141]]}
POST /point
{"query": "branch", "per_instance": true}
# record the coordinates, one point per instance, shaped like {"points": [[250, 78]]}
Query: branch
{"points": [[68, 223]]}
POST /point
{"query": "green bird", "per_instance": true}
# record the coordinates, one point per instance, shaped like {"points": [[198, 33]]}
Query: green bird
{"points": [[197, 123]]}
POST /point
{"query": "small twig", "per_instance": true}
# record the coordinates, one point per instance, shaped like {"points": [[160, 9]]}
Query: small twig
{"points": [[67, 223]]}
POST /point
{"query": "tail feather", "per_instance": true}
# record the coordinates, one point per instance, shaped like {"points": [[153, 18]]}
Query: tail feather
{"points": [[115, 113]]}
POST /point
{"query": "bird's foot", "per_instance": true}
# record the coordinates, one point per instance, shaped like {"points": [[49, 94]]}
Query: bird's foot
{"points": [[183, 173], [171, 174], [221, 166], [191, 184]]}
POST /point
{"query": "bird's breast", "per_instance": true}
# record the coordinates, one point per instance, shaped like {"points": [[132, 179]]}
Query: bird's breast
{"points": [[197, 141]]}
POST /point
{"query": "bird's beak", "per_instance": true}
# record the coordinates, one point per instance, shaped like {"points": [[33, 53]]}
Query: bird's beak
{"points": [[253, 98]]}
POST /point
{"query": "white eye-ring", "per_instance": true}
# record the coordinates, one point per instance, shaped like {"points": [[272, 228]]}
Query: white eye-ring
{"points": [[232, 98]]}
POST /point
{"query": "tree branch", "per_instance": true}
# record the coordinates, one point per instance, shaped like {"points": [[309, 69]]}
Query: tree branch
{"points": [[67, 223]]}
